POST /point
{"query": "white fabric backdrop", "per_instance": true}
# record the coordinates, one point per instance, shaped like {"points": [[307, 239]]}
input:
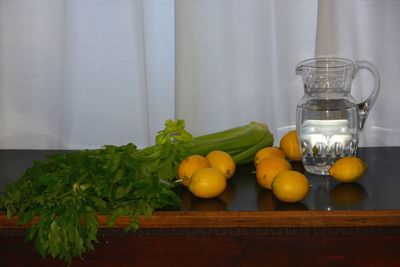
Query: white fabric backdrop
{"points": [[369, 30], [77, 74], [80, 74], [235, 61]]}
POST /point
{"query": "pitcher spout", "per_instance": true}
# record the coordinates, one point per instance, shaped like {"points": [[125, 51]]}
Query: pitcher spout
{"points": [[299, 69]]}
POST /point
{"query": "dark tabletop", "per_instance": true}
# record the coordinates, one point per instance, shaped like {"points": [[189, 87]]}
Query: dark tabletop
{"points": [[379, 189]]}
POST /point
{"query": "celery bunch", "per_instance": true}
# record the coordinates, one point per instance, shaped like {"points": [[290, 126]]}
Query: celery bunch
{"points": [[241, 142], [68, 191], [174, 143]]}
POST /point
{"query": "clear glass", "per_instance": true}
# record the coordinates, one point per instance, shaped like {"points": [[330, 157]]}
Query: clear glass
{"points": [[329, 120]]}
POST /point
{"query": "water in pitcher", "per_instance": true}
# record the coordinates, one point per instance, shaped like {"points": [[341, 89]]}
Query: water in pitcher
{"points": [[328, 130], [329, 119]]}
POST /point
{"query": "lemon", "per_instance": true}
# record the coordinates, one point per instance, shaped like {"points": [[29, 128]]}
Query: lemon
{"points": [[207, 183], [268, 168], [267, 152], [290, 186], [223, 162], [289, 144], [189, 165], [348, 169]]}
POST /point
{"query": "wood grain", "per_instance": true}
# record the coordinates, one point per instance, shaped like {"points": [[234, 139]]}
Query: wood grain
{"points": [[225, 250], [192, 219], [248, 229]]}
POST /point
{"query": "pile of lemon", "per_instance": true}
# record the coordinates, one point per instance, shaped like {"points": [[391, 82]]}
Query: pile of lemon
{"points": [[274, 171], [206, 177]]}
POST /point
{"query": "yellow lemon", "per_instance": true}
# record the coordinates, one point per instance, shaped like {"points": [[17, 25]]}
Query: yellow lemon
{"points": [[290, 186], [268, 168], [189, 165], [267, 152], [223, 162], [207, 183], [348, 169], [289, 144]]}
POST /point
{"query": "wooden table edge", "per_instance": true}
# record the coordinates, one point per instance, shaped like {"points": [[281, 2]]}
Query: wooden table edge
{"points": [[248, 219]]}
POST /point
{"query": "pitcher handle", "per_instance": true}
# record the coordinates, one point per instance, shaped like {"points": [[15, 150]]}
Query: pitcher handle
{"points": [[365, 106]]}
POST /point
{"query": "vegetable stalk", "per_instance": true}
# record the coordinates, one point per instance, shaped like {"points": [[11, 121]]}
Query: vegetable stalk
{"points": [[68, 191], [240, 142]]}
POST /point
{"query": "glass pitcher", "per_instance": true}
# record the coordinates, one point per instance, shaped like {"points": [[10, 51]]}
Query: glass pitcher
{"points": [[328, 118]]}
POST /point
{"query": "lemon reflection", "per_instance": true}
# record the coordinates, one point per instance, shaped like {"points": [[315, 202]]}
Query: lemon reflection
{"points": [[266, 200], [211, 204], [186, 199], [229, 194], [348, 195], [189, 202]]}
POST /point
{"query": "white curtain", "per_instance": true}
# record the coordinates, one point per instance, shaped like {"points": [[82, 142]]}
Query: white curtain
{"points": [[80, 74], [235, 61], [369, 30]]}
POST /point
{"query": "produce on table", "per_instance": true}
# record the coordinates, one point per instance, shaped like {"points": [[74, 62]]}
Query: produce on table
{"points": [[190, 165], [67, 191], [203, 176], [207, 183], [241, 142], [268, 168], [348, 169], [267, 152], [289, 144], [274, 171], [290, 186], [223, 162]]}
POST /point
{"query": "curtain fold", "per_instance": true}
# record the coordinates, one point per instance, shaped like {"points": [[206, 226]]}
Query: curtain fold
{"points": [[31, 88], [235, 61], [367, 30], [80, 74]]}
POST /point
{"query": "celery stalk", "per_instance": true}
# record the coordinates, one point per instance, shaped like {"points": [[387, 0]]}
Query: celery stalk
{"points": [[248, 154], [240, 142]]}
